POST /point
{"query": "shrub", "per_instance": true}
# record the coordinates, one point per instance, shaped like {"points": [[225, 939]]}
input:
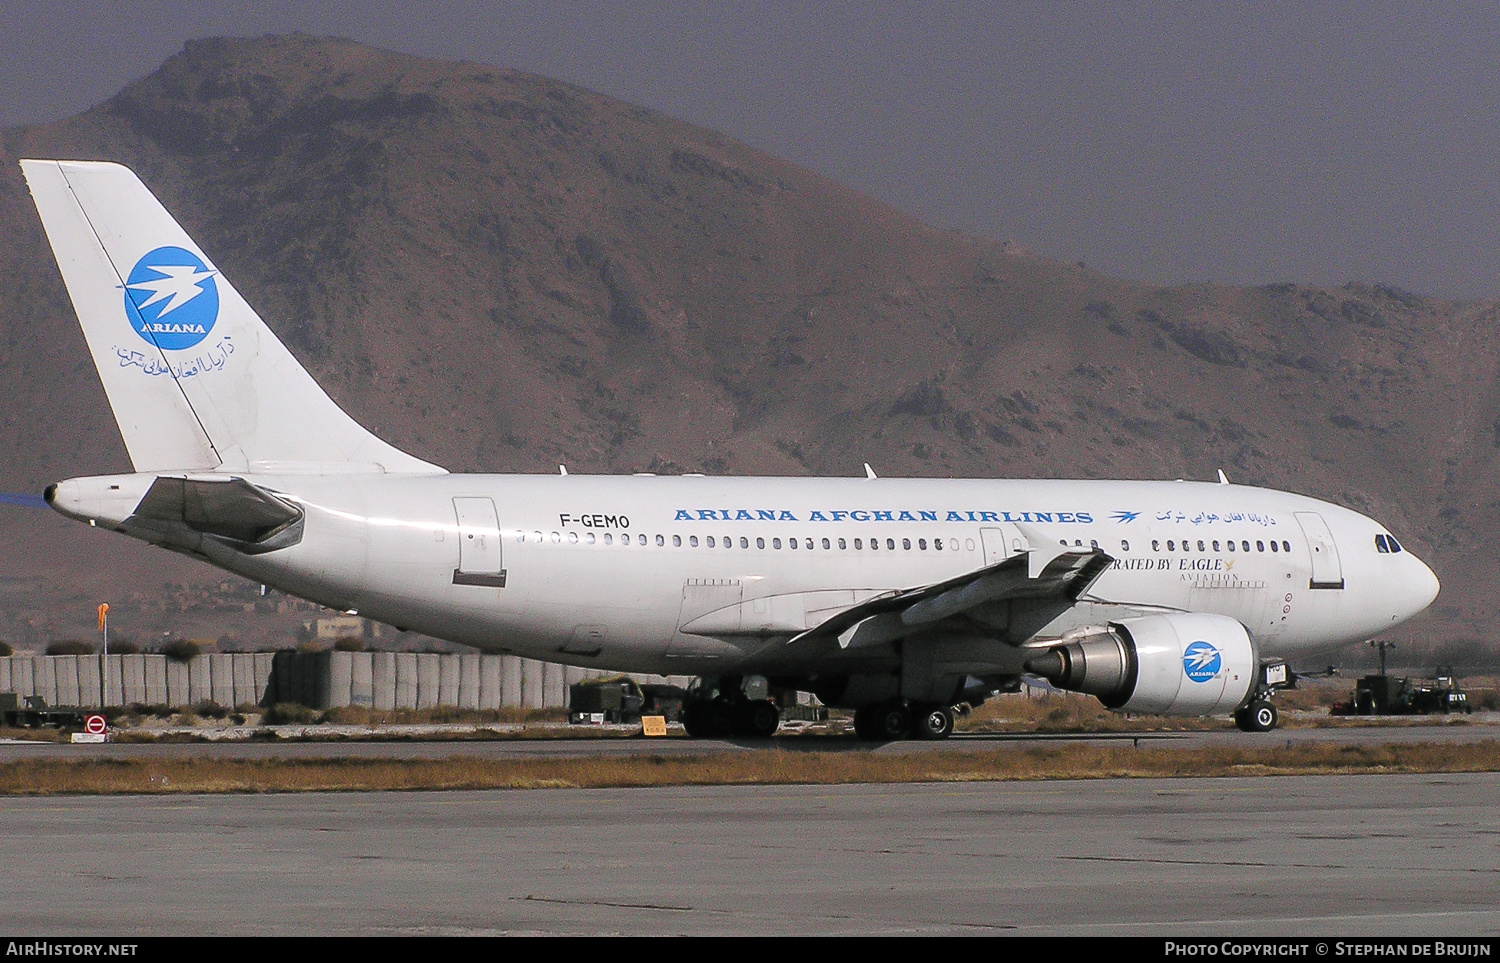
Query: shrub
{"points": [[349, 643], [124, 647], [181, 650], [210, 709], [285, 713], [5, 649], [69, 647]]}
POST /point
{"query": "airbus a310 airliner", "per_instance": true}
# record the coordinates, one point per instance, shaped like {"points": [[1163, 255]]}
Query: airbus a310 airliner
{"points": [[898, 598]]}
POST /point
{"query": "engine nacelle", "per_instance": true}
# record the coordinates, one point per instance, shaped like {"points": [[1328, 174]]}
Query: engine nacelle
{"points": [[1187, 664]]}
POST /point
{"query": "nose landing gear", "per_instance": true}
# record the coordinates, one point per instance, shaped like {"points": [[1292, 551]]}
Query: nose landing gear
{"points": [[1258, 714]]}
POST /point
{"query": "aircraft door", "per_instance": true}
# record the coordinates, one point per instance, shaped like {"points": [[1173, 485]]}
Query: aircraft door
{"points": [[1001, 542], [479, 551], [1327, 572]]}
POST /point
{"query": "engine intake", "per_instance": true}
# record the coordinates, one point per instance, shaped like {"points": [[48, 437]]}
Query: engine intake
{"points": [[1182, 664]]}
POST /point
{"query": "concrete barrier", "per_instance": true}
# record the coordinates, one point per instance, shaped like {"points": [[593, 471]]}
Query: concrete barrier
{"points": [[362, 680], [383, 680], [449, 673], [321, 680]]}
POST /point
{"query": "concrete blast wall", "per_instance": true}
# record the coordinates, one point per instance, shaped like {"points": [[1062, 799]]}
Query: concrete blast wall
{"points": [[321, 680]]}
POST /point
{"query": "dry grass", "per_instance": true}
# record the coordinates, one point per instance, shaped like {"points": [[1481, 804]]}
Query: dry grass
{"points": [[764, 767]]}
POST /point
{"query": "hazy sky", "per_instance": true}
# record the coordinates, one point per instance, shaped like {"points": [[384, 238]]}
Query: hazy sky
{"points": [[1245, 142]]}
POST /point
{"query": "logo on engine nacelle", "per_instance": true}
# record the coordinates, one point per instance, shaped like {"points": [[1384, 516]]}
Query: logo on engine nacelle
{"points": [[1201, 662]]}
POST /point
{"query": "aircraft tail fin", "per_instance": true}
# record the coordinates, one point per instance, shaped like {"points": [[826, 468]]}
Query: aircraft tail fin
{"points": [[195, 378]]}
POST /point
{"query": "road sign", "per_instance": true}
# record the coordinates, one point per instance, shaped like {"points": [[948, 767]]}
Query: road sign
{"points": [[95, 724]]}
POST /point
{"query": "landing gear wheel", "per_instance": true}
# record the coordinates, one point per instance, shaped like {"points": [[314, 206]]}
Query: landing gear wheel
{"points": [[864, 726], [931, 722], [1258, 716], [706, 720], [891, 721], [759, 719]]}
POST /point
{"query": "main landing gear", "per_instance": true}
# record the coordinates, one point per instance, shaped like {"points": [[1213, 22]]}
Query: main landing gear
{"points": [[730, 706], [897, 719]]}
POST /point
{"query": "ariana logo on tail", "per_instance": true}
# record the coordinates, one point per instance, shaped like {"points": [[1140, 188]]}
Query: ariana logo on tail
{"points": [[171, 298]]}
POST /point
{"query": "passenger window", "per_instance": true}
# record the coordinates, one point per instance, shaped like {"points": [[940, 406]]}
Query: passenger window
{"points": [[745, 542], [1155, 545], [1286, 546], [660, 541], [890, 544], [810, 544], [608, 538], [573, 537], [1124, 545], [537, 536], [1245, 545], [857, 545], [791, 543], [1274, 546], [677, 541], [937, 544], [1094, 544], [520, 536], [906, 544], [826, 545], [589, 538], [922, 544], [1216, 544], [775, 542], [692, 541], [1260, 546], [1170, 546], [842, 545]]}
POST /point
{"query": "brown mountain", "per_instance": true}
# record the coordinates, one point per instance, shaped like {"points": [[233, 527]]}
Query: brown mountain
{"points": [[497, 271]]}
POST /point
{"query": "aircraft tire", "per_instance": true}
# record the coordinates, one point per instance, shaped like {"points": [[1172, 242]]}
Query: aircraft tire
{"points": [[891, 721], [706, 720], [862, 723], [758, 719], [1258, 716], [931, 722]]}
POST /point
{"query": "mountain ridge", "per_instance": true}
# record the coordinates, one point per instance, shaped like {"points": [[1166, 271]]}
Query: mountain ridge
{"points": [[500, 272]]}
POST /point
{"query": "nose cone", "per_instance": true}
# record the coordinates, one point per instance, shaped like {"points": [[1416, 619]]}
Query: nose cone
{"points": [[1423, 587]]}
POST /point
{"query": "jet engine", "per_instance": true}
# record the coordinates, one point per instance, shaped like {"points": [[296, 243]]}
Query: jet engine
{"points": [[1185, 664]]}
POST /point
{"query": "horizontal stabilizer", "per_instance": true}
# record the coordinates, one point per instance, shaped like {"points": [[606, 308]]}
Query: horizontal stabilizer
{"points": [[232, 509]]}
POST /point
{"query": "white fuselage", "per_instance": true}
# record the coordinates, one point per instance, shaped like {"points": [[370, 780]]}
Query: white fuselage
{"points": [[606, 570]]}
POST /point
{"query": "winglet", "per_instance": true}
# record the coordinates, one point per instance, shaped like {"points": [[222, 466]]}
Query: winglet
{"points": [[869, 472], [1223, 480]]}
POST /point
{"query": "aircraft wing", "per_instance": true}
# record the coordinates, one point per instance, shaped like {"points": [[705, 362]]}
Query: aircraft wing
{"points": [[1016, 596]]}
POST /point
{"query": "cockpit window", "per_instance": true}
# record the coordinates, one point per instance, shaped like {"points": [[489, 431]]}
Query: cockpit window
{"points": [[1381, 546], [1395, 545]]}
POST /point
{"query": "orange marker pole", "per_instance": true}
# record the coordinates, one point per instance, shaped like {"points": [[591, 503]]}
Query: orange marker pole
{"points": [[104, 657]]}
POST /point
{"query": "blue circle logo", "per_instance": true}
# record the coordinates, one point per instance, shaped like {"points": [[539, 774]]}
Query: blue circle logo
{"points": [[1201, 662], [171, 298]]}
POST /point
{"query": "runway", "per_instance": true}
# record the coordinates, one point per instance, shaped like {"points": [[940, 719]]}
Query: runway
{"points": [[1285, 856], [561, 746]]}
